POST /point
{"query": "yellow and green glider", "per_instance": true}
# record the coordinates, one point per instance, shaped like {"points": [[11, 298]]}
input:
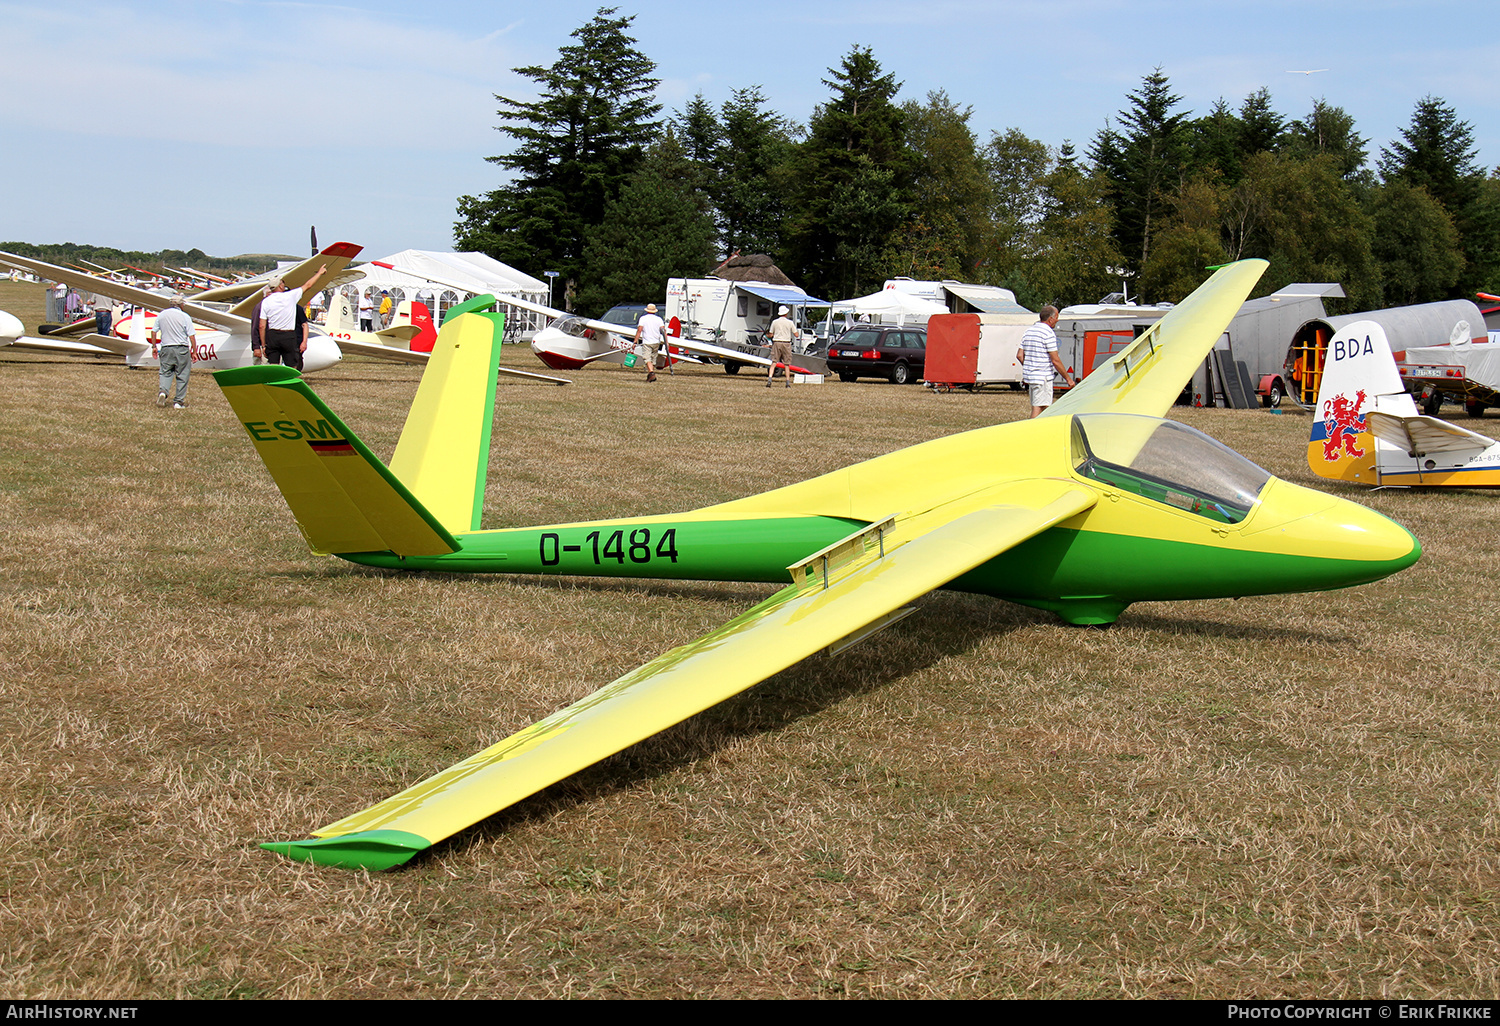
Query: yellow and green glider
{"points": [[1097, 504]]}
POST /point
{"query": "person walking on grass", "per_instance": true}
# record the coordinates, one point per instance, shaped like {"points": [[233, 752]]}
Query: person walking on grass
{"points": [[175, 334], [1039, 360], [650, 331], [783, 332]]}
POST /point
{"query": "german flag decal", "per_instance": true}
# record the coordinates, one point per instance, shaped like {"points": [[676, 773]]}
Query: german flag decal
{"points": [[332, 447]]}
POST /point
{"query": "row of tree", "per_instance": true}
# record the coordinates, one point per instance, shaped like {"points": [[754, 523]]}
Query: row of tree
{"points": [[618, 198], [72, 254]]}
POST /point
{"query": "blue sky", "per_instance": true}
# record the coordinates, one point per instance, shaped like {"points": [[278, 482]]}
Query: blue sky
{"points": [[233, 125]]}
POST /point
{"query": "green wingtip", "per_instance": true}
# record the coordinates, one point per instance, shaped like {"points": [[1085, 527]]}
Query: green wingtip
{"points": [[258, 374], [469, 305], [370, 849]]}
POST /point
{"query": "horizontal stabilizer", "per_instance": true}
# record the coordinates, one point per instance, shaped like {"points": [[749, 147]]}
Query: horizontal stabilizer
{"points": [[1421, 436], [400, 334]]}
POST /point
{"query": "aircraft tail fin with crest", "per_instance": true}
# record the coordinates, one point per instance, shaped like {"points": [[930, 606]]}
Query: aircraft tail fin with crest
{"points": [[1358, 372]]}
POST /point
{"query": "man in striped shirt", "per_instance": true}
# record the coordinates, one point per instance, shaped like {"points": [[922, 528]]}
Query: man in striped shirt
{"points": [[1039, 360]]}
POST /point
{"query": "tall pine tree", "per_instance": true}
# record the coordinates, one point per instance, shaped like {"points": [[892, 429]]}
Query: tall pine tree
{"points": [[658, 228], [1142, 163], [950, 194], [577, 144], [850, 183]]}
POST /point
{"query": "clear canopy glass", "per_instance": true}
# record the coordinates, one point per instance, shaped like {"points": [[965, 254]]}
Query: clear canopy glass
{"points": [[1167, 462]]}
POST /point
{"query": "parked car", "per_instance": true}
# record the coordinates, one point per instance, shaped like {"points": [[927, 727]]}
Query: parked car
{"points": [[626, 314], [879, 351]]}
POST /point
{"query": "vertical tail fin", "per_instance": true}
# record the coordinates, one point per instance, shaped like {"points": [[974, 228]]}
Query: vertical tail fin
{"points": [[444, 451], [344, 499], [415, 313], [341, 315], [1358, 368]]}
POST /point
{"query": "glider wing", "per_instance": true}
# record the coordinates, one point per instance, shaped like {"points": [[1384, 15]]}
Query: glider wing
{"points": [[337, 257], [89, 345], [1422, 435], [124, 293], [845, 592], [396, 353], [1149, 375]]}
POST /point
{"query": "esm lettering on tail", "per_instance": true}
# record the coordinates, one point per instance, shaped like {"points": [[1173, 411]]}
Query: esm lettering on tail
{"points": [[290, 430]]}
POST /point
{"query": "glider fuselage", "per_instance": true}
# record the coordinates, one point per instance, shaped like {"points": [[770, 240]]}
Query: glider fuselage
{"points": [[1142, 541]]}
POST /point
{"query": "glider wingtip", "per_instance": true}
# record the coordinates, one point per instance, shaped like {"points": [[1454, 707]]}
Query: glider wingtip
{"points": [[259, 374], [373, 850]]}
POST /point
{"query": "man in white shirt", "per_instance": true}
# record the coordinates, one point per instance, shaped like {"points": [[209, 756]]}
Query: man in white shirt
{"points": [[104, 312], [1039, 359], [366, 312], [650, 330], [284, 343], [783, 331], [175, 334]]}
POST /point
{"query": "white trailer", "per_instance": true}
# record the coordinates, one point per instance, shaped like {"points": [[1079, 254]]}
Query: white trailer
{"points": [[734, 314], [958, 296]]}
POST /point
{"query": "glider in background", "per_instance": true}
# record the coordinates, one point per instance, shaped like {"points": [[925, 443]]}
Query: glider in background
{"points": [[571, 342], [1095, 505], [1368, 429], [229, 345]]}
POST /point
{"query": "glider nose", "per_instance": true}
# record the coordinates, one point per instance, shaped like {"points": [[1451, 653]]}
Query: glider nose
{"points": [[10, 328], [1335, 543], [549, 345], [322, 352]]}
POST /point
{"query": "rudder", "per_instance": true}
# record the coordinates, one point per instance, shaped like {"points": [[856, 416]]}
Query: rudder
{"points": [[444, 452], [1357, 369]]}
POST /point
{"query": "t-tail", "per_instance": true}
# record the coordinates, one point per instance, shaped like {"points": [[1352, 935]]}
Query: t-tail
{"points": [[414, 313], [340, 319], [1359, 376], [343, 498]]}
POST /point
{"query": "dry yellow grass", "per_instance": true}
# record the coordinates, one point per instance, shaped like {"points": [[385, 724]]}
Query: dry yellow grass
{"points": [[1294, 795]]}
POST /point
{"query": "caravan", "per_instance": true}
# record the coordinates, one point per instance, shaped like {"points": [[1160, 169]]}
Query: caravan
{"points": [[733, 314]]}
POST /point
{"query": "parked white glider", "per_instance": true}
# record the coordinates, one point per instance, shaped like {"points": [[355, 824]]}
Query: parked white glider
{"points": [[1369, 431], [571, 342]]}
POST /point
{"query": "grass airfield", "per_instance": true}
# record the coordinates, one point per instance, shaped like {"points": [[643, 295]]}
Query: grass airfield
{"points": [[1289, 796]]}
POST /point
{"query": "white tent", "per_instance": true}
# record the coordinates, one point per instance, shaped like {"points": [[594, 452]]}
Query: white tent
{"points": [[888, 303], [885, 307], [407, 278]]}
